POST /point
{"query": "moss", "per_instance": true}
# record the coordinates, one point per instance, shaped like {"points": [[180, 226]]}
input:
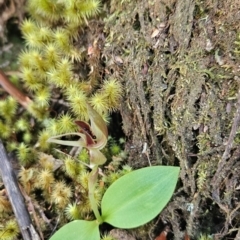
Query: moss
{"points": [[61, 76]]}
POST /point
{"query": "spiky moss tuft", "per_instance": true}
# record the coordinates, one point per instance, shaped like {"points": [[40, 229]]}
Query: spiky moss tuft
{"points": [[43, 136], [115, 149], [53, 127], [45, 179], [5, 130], [61, 194], [46, 10], [107, 237], [51, 55], [25, 154], [25, 59], [11, 146], [85, 205], [99, 103], [10, 230], [8, 108], [22, 124], [72, 167], [28, 26], [112, 90], [83, 179], [5, 205], [78, 101], [32, 82], [205, 237], [62, 39], [42, 97], [38, 62], [88, 9], [39, 40], [64, 124], [62, 75], [84, 155], [46, 161], [27, 137], [39, 112], [126, 169], [111, 176], [72, 211], [27, 178]]}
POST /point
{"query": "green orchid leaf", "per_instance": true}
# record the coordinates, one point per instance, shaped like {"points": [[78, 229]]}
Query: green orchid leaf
{"points": [[139, 196], [78, 230]]}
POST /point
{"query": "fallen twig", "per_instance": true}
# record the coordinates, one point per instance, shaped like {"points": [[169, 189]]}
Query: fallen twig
{"points": [[13, 91], [15, 197]]}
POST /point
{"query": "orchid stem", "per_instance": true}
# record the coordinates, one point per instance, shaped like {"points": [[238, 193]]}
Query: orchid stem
{"points": [[91, 187]]}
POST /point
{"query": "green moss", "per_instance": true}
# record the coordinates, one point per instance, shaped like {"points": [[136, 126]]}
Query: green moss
{"points": [[60, 78]]}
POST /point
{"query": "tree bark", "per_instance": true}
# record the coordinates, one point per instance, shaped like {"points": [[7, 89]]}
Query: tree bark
{"points": [[180, 71]]}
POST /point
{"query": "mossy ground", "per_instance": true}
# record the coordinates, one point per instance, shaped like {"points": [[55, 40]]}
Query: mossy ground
{"points": [[179, 64]]}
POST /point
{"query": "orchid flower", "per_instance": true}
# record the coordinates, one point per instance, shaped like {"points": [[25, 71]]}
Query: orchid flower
{"points": [[93, 137]]}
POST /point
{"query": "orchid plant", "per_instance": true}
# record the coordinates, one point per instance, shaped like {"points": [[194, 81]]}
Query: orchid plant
{"points": [[130, 201], [92, 137]]}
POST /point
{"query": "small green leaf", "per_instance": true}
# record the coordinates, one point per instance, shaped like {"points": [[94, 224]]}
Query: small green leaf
{"points": [[139, 196], [78, 230]]}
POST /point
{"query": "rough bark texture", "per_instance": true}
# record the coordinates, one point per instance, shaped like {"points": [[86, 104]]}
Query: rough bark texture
{"points": [[179, 64], [9, 9]]}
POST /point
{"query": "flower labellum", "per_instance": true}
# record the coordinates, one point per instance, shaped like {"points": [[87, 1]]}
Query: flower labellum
{"points": [[93, 137]]}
